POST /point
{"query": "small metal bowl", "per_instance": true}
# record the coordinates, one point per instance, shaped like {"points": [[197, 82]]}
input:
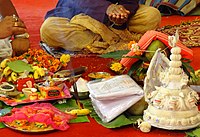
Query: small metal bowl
{"points": [[6, 87], [98, 75]]}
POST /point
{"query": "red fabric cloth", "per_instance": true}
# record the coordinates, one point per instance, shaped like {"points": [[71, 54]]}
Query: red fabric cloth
{"points": [[32, 12]]}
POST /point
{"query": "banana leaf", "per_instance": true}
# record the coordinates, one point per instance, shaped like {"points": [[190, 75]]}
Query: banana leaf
{"points": [[194, 133], [121, 120], [2, 125], [69, 105]]}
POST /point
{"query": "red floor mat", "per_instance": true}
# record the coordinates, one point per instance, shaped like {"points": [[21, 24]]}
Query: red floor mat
{"points": [[32, 12]]}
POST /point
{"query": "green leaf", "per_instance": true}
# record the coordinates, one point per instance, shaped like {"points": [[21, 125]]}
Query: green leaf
{"points": [[79, 119], [19, 66], [186, 60], [138, 57], [115, 55], [69, 105], [189, 134], [134, 67], [187, 68], [2, 125], [196, 132], [1, 104]]}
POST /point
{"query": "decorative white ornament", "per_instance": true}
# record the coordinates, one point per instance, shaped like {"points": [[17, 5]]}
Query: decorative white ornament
{"points": [[171, 102]]}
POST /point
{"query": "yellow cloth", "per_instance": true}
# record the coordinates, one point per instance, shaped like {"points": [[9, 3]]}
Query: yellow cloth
{"points": [[84, 32]]}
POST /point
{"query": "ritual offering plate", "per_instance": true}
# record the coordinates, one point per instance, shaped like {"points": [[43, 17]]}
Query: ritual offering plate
{"points": [[30, 95], [29, 130], [37, 117]]}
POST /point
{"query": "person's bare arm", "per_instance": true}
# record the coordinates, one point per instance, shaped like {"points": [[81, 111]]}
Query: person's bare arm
{"points": [[7, 8], [117, 14], [120, 12], [8, 28]]}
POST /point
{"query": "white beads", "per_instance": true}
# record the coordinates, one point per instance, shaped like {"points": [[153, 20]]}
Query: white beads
{"points": [[176, 50], [175, 57], [175, 64]]}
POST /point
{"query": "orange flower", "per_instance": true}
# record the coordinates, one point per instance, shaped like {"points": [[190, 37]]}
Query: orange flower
{"points": [[40, 58], [131, 43]]}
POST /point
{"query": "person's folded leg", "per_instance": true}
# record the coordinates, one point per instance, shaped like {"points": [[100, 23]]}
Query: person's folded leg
{"points": [[146, 18], [59, 32]]}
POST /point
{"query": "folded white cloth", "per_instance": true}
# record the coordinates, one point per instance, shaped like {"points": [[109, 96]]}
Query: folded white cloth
{"points": [[111, 97], [115, 87], [107, 110]]}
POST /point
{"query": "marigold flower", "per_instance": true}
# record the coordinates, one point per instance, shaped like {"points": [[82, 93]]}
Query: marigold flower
{"points": [[65, 58], [40, 58], [116, 67], [130, 44]]}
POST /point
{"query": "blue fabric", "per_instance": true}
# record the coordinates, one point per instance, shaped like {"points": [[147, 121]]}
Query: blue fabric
{"points": [[94, 8], [156, 2], [184, 4], [173, 1]]}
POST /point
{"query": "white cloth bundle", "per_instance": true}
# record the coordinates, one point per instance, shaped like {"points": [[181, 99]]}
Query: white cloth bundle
{"points": [[111, 97]]}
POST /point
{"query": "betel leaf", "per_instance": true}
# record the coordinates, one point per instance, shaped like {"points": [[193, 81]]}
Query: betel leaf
{"points": [[19, 66], [115, 55]]}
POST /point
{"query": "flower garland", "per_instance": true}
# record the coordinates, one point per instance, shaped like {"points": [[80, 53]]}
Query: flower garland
{"points": [[38, 57]]}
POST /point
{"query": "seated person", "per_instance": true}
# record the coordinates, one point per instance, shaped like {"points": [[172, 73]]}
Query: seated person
{"points": [[97, 25], [11, 25]]}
